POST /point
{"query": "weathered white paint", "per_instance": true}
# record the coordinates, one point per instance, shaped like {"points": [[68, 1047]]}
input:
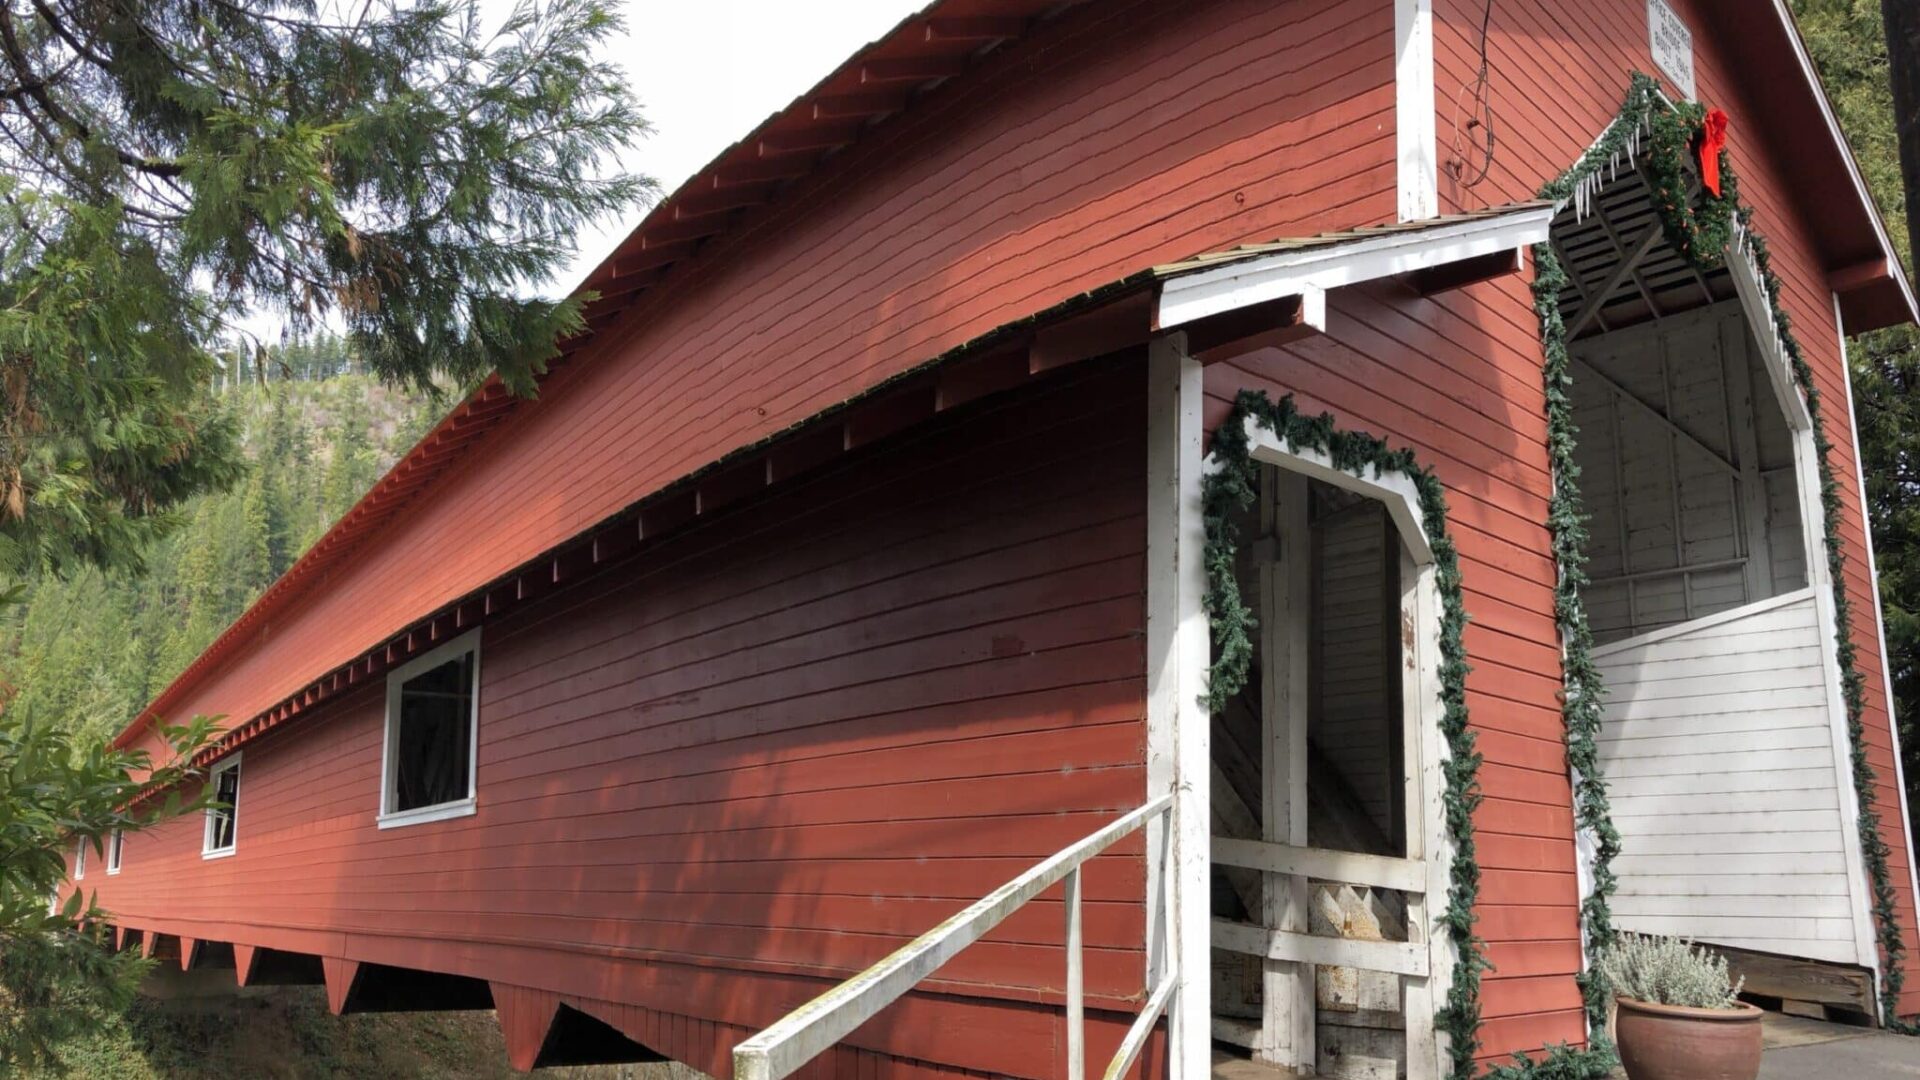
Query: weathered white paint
{"points": [[390, 818], [1397, 957], [207, 850], [811, 1029], [1244, 283], [1689, 473], [1287, 1032], [1142, 1027], [1394, 491], [1178, 654], [1427, 840], [1076, 981], [1416, 142], [1879, 617], [1745, 273], [1807, 464], [1350, 867], [1717, 746]]}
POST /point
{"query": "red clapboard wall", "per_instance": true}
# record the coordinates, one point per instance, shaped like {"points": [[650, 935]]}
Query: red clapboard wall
{"points": [[1112, 137], [1558, 73], [1457, 378], [761, 756]]}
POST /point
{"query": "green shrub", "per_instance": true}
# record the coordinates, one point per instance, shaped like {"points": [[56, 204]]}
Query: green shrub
{"points": [[1668, 971]]}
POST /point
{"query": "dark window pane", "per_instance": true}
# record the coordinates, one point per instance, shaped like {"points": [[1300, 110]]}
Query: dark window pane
{"points": [[226, 796], [433, 752]]}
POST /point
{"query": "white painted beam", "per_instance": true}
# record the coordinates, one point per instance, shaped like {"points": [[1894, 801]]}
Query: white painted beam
{"points": [[1396, 957], [1417, 147], [1179, 757], [1257, 279], [1323, 864], [1395, 491]]}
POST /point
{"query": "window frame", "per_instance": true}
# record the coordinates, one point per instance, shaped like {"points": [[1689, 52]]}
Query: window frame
{"points": [[80, 859], [116, 851], [207, 850], [388, 818]]}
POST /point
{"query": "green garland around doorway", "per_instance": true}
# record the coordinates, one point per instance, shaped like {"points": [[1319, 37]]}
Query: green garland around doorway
{"points": [[1660, 136], [1229, 490]]}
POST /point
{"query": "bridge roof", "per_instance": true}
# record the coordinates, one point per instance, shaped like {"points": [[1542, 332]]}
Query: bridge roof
{"points": [[878, 81]]}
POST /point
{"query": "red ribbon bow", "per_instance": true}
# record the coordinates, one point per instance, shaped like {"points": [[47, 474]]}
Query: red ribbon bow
{"points": [[1713, 139]]}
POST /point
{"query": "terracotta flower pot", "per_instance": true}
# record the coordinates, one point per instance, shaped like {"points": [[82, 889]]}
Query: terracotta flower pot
{"points": [[1672, 1042]]}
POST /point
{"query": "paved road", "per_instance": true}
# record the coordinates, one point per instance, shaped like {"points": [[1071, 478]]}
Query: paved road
{"points": [[1797, 1049]]}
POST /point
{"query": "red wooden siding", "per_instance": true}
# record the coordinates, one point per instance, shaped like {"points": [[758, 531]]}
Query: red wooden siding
{"points": [[1558, 73], [761, 756], [1457, 378], [1113, 137]]}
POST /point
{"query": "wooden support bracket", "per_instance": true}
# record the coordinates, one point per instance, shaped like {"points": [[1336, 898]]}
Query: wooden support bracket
{"points": [[1458, 275], [245, 964], [1124, 322], [1858, 276], [1268, 325], [807, 450], [725, 487], [874, 420], [526, 1019], [977, 377], [667, 512], [912, 68], [976, 29], [342, 975]]}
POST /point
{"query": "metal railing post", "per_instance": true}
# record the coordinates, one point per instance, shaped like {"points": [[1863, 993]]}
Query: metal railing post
{"points": [[1076, 984]]}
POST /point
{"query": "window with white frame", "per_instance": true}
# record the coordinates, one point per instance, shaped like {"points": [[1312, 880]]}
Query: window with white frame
{"points": [[223, 812], [433, 719], [80, 859], [114, 843]]}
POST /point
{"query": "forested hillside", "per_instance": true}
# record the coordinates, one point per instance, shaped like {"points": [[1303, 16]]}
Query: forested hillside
{"points": [[93, 647], [90, 649]]}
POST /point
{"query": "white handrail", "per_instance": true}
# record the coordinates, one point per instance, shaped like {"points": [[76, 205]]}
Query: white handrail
{"points": [[811, 1029]]}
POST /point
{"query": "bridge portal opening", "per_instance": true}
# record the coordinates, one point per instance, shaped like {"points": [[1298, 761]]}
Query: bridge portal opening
{"points": [[1723, 735]]}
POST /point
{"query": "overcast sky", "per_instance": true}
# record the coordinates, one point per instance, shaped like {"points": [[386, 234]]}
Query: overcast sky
{"points": [[709, 71]]}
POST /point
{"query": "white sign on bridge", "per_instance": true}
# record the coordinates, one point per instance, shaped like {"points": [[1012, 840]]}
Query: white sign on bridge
{"points": [[1672, 46]]}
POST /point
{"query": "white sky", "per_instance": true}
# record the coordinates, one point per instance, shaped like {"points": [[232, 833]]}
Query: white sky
{"points": [[708, 72]]}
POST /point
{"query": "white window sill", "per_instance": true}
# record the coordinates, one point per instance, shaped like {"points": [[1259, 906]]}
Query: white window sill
{"points": [[421, 815], [112, 873], [219, 853]]}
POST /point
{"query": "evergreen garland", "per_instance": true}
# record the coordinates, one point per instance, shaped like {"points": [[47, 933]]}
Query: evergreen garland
{"points": [[1231, 488], [1702, 228]]}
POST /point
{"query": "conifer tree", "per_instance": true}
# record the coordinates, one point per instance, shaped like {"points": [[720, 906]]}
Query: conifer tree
{"points": [[173, 172]]}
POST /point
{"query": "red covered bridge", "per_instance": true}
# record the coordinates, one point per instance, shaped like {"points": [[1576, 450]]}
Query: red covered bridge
{"points": [[851, 567]]}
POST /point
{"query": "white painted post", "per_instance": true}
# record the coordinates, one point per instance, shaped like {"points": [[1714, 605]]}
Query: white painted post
{"points": [[1287, 988], [1806, 458], [1177, 720], [1417, 144], [1418, 691], [1076, 984]]}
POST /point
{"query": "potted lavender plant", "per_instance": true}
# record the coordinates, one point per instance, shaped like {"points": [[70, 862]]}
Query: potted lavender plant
{"points": [[1679, 1016]]}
